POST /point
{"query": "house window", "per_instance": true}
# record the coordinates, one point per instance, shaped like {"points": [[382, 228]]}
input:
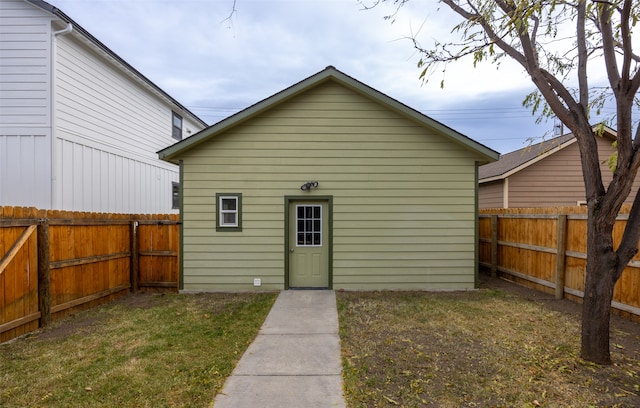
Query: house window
{"points": [[175, 195], [229, 213], [176, 126], [308, 225]]}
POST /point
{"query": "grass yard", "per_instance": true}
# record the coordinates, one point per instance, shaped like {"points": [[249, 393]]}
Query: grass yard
{"points": [[501, 346], [487, 348], [142, 350]]}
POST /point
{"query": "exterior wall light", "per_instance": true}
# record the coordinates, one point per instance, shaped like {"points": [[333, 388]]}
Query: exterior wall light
{"points": [[307, 186]]}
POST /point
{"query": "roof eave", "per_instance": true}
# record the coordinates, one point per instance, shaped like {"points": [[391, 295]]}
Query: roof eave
{"points": [[490, 179]]}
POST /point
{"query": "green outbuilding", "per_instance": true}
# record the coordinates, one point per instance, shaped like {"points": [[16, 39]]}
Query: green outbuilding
{"points": [[328, 184]]}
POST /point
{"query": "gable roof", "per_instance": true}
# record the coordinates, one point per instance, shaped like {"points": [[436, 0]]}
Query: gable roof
{"points": [[517, 160], [112, 55], [328, 74]]}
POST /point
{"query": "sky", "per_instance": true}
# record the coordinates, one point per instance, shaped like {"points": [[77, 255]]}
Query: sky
{"points": [[216, 61]]}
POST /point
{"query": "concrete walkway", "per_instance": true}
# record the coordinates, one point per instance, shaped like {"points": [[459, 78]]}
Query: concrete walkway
{"points": [[295, 359]]}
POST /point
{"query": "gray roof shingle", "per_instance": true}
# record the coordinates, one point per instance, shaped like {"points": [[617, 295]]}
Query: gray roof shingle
{"points": [[515, 159]]}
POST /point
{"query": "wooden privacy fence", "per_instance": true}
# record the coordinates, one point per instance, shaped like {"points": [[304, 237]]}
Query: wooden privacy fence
{"points": [[53, 263], [546, 249]]}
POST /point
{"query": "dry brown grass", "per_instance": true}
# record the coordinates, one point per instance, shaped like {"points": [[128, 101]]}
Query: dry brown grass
{"points": [[487, 348]]}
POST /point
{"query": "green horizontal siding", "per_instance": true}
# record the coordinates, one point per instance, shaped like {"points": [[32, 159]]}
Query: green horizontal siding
{"points": [[212, 174], [403, 197]]}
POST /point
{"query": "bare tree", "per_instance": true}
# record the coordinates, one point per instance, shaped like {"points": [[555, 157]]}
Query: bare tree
{"points": [[558, 42]]}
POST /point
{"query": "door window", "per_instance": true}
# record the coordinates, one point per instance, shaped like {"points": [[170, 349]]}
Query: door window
{"points": [[308, 225]]}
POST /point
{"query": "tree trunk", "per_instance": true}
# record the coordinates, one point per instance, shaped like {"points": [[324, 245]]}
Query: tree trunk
{"points": [[598, 293]]}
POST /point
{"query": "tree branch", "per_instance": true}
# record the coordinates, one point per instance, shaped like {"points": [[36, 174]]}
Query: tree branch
{"points": [[629, 243], [628, 48], [493, 36], [608, 46], [625, 15], [583, 85], [231, 13]]}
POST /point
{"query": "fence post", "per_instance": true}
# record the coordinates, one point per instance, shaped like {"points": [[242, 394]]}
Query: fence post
{"points": [[561, 246], [494, 245], [134, 257], [44, 273]]}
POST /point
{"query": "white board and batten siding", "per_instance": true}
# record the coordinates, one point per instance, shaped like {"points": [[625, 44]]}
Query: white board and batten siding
{"points": [[80, 129], [403, 197], [25, 105], [109, 128]]}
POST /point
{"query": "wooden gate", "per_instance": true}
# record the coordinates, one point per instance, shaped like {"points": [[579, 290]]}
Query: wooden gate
{"points": [[19, 312], [157, 255]]}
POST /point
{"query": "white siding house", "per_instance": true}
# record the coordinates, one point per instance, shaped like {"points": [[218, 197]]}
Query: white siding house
{"points": [[79, 127]]}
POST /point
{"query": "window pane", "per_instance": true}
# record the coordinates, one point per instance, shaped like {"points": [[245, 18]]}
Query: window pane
{"points": [[229, 218], [229, 204], [309, 225]]}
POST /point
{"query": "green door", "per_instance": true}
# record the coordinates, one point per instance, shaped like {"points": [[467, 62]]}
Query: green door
{"points": [[308, 244]]}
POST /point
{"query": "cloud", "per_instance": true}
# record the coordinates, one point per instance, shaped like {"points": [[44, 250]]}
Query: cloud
{"points": [[216, 67]]}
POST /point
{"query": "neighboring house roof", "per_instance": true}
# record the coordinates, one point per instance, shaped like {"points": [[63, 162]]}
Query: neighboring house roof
{"points": [[515, 161], [328, 74], [134, 72]]}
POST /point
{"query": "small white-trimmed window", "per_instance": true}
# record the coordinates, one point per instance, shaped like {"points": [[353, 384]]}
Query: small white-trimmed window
{"points": [[229, 212]]}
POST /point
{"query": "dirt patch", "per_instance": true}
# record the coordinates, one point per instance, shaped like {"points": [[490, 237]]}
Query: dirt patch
{"points": [[66, 327], [87, 321], [139, 300]]}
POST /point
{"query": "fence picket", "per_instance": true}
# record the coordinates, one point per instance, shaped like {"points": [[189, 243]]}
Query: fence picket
{"points": [[44, 274], [561, 242]]}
